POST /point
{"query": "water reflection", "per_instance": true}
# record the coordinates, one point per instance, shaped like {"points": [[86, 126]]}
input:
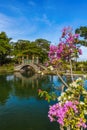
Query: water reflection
{"points": [[5, 89], [85, 84], [9, 77], [20, 106], [24, 86]]}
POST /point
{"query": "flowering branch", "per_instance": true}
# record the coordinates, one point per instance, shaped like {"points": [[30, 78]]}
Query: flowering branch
{"points": [[71, 110], [65, 50]]}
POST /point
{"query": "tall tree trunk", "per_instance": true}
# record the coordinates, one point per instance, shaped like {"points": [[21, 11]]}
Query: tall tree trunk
{"points": [[71, 70]]}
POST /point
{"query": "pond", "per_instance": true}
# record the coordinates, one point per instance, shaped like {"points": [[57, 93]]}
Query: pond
{"points": [[20, 106]]}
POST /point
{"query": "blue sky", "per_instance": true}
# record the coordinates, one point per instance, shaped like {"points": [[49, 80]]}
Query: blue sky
{"points": [[32, 19]]}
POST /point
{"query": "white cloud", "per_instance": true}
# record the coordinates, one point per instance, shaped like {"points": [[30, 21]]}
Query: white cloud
{"points": [[17, 28], [44, 19], [53, 33], [16, 9], [31, 3], [4, 21], [24, 28]]}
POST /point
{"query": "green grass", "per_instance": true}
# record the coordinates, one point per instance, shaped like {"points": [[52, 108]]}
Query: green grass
{"points": [[7, 68]]}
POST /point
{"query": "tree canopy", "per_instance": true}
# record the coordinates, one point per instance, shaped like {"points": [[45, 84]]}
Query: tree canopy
{"points": [[83, 33], [5, 47], [39, 47]]}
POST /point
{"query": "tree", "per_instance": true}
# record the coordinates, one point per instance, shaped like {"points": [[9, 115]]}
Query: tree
{"points": [[5, 47], [83, 33], [43, 43], [21, 45], [38, 48]]}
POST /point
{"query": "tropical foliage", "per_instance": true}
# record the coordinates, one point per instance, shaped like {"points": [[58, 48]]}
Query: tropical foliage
{"points": [[5, 47], [39, 47], [8, 49]]}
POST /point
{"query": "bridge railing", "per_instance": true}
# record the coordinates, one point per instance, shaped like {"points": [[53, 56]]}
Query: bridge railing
{"points": [[29, 61]]}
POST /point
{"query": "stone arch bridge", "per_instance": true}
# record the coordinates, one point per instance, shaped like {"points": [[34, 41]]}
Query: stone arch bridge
{"points": [[35, 67]]}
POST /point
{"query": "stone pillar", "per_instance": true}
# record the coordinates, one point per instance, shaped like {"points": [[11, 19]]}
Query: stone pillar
{"points": [[27, 59], [33, 59], [22, 59], [18, 60], [37, 60]]}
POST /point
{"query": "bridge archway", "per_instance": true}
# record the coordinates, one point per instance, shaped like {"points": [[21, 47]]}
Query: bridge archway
{"points": [[27, 68]]}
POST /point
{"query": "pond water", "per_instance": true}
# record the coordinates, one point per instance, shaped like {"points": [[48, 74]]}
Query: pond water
{"points": [[20, 106]]}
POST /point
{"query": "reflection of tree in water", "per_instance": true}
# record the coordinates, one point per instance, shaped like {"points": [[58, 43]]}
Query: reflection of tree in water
{"points": [[28, 86], [45, 83], [5, 89], [23, 86], [24, 89]]}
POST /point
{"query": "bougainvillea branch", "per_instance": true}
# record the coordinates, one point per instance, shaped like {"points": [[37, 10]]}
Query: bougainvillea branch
{"points": [[71, 110], [65, 50]]}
